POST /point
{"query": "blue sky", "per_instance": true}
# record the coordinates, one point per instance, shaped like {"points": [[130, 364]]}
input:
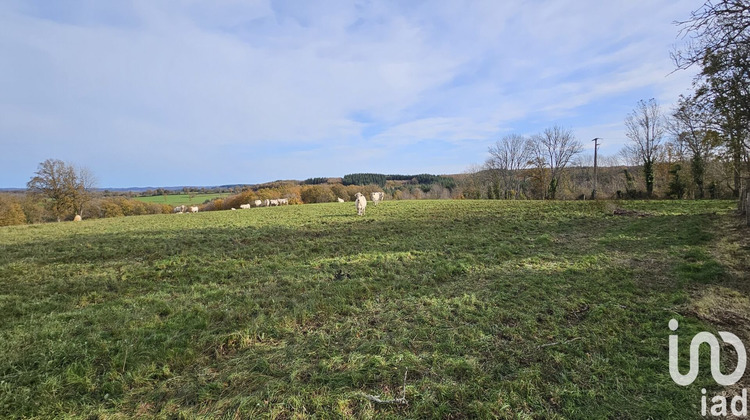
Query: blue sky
{"points": [[161, 93]]}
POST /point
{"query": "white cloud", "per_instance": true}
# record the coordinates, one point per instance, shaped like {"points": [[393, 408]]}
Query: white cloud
{"points": [[177, 80]]}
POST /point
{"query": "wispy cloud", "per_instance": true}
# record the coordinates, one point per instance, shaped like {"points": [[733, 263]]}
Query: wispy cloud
{"points": [[206, 92]]}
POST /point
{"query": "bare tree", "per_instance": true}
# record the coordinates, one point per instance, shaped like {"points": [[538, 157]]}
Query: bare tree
{"points": [[84, 189], [508, 156], [628, 157], [644, 126], [718, 27], [66, 189], [471, 182], [554, 149], [690, 125]]}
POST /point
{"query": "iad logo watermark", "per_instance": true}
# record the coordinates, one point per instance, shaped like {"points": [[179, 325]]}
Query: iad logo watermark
{"points": [[738, 404]]}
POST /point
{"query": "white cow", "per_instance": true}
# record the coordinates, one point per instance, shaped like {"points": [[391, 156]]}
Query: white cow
{"points": [[266, 202], [193, 209], [274, 202], [340, 200], [377, 197], [258, 203], [360, 203], [244, 206], [283, 201], [179, 209]]}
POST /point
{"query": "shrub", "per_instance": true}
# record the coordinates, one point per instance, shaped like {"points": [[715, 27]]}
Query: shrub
{"points": [[109, 208], [317, 194], [11, 212], [677, 186], [340, 191], [33, 209], [234, 201]]}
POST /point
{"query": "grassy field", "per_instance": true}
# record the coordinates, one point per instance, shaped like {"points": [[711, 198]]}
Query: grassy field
{"points": [[488, 308], [180, 199]]}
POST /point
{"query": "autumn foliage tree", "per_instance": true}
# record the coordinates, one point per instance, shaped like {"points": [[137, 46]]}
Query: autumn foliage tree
{"points": [[11, 212], [67, 189]]}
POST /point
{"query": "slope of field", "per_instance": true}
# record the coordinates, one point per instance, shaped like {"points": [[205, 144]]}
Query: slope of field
{"points": [[488, 308], [180, 199]]}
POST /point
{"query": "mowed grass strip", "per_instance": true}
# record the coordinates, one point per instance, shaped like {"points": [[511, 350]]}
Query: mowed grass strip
{"points": [[495, 309]]}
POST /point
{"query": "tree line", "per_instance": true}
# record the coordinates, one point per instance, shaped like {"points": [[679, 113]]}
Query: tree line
{"points": [[381, 179], [717, 114], [697, 148], [669, 154]]}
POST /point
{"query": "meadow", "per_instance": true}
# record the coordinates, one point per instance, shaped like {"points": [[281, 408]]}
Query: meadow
{"points": [[181, 199], [466, 309]]}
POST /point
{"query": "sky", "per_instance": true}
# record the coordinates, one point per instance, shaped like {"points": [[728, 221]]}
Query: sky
{"points": [[170, 93]]}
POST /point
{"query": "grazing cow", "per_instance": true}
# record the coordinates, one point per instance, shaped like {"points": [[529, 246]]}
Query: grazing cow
{"points": [[179, 209], [377, 197], [234, 208], [283, 201], [266, 202], [77, 218], [194, 209], [258, 203], [360, 203], [274, 202], [244, 206], [340, 200]]}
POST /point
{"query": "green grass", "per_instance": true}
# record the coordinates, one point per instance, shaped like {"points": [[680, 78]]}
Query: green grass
{"points": [[181, 199], [496, 309]]}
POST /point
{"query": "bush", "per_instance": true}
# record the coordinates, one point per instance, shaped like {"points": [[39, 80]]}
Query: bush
{"points": [[109, 208], [33, 208], [122, 206], [11, 212], [340, 191], [234, 201], [677, 186], [317, 194]]}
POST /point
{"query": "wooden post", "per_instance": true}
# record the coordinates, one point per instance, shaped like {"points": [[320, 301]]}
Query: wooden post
{"points": [[596, 147]]}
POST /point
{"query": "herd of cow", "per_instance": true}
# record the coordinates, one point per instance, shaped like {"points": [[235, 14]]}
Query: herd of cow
{"points": [[360, 203], [266, 203]]}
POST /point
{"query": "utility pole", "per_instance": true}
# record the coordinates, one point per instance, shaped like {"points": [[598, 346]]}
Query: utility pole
{"points": [[596, 147]]}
